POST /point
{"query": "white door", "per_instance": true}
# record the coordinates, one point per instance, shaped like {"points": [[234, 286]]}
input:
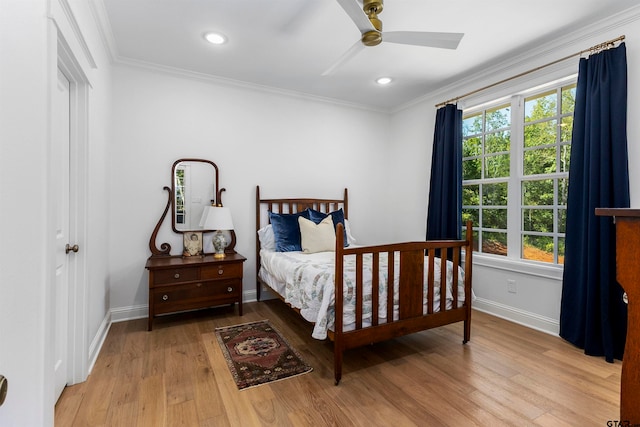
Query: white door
{"points": [[60, 138]]}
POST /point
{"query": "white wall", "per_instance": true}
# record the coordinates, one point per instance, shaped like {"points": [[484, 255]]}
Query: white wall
{"points": [[24, 277], [537, 301], [28, 56], [290, 146]]}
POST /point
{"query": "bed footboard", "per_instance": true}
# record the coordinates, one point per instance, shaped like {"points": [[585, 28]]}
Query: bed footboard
{"points": [[411, 316]]}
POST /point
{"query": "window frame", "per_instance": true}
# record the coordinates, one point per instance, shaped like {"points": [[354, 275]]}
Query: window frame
{"points": [[515, 226]]}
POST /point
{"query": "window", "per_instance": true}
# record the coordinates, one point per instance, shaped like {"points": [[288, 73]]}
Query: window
{"points": [[515, 174], [180, 187]]}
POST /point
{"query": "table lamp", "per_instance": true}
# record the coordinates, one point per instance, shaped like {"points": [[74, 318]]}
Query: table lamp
{"points": [[217, 218]]}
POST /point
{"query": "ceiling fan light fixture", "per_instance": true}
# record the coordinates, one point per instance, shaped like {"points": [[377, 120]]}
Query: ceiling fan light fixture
{"points": [[383, 81], [215, 38]]}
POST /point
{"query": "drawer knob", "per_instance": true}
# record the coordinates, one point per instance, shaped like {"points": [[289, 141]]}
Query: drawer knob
{"points": [[229, 289], [198, 284], [221, 271], [165, 297], [176, 276]]}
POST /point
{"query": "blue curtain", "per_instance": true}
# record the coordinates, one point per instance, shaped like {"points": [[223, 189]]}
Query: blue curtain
{"points": [[444, 217], [593, 315]]}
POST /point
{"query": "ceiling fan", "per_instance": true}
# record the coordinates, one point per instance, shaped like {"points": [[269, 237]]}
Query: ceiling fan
{"points": [[366, 19]]}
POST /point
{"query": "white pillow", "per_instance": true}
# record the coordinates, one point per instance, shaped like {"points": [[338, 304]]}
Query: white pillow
{"points": [[347, 227], [317, 237], [267, 238]]}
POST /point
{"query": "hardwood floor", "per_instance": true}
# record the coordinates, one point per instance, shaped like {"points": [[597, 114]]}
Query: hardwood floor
{"points": [[506, 375]]}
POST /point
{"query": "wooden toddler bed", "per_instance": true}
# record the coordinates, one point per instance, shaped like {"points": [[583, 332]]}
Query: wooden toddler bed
{"points": [[358, 295]]}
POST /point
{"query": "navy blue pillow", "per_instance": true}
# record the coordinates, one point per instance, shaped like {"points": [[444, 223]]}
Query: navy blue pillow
{"points": [[336, 217], [286, 230]]}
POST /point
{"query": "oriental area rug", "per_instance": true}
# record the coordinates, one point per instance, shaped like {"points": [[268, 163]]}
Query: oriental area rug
{"points": [[257, 353]]}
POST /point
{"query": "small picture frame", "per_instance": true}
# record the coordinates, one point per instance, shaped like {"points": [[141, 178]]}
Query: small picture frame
{"points": [[192, 243]]}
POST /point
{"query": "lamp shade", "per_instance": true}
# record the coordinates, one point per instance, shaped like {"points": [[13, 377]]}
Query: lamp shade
{"points": [[216, 218]]}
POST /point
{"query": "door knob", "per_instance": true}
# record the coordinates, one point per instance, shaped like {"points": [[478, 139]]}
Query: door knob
{"points": [[68, 248]]}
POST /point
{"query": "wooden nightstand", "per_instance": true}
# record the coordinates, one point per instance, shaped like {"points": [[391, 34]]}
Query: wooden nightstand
{"points": [[179, 283]]}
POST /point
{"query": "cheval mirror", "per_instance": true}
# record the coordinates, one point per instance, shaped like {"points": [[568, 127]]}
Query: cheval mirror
{"points": [[194, 186]]}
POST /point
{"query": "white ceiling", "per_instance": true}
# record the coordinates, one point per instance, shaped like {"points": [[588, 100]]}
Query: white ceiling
{"points": [[288, 44]]}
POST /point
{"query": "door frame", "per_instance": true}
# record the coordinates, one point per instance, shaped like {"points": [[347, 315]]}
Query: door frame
{"points": [[77, 346]]}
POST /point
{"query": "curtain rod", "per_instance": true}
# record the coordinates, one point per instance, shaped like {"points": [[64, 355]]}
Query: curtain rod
{"points": [[593, 49]]}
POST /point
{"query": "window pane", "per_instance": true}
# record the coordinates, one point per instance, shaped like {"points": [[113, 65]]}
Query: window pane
{"points": [[537, 220], [179, 205], [537, 193], [472, 125], [470, 195], [471, 147], [494, 194], [540, 161], [494, 243], [562, 220], [543, 133], [497, 142], [472, 215], [496, 166], [472, 169], [538, 248], [540, 106], [542, 142], [494, 218], [568, 99], [498, 118]]}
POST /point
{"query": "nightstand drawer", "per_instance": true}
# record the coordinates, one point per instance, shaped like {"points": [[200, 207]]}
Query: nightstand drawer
{"points": [[176, 275], [195, 295], [179, 284], [222, 271]]}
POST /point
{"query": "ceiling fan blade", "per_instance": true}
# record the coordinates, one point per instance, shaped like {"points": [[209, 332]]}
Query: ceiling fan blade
{"points": [[429, 39], [350, 53], [357, 15]]}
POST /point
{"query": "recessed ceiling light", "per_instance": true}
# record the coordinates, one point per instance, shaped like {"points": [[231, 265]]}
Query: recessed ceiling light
{"points": [[383, 80], [215, 38]]}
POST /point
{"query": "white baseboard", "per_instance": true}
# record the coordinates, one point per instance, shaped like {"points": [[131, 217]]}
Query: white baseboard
{"points": [[98, 341], [249, 296], [524, 318], [122, 314]]}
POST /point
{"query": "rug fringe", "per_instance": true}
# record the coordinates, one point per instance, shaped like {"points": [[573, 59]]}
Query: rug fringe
{"points": [[241, 324], [275, 381]]}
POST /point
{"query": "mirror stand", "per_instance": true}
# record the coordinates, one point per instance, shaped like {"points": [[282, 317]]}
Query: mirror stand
{"points": [[165, 248], [191, 184]]}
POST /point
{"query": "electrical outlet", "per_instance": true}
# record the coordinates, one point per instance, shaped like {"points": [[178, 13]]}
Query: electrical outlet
{"points": [[511, 286]]}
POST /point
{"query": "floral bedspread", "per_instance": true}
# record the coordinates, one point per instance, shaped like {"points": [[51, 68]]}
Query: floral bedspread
{"points": [[309, 286]]}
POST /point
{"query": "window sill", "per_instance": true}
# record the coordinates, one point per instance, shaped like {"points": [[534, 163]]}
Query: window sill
{"points": [[531, 268]]}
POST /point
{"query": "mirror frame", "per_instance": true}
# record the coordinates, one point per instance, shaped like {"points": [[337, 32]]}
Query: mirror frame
{"points": [[217, 191], [165, 248]]}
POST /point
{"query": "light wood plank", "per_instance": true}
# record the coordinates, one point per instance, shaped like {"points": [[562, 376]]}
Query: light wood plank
{"points": [[506, 375]]}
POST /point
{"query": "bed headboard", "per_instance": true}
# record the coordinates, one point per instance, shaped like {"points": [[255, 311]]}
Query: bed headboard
{"points": [[291, 205]]}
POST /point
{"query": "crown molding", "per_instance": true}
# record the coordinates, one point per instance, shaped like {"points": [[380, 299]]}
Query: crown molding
{"points": [[515, 62], [101, 17], [227, 82]]}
